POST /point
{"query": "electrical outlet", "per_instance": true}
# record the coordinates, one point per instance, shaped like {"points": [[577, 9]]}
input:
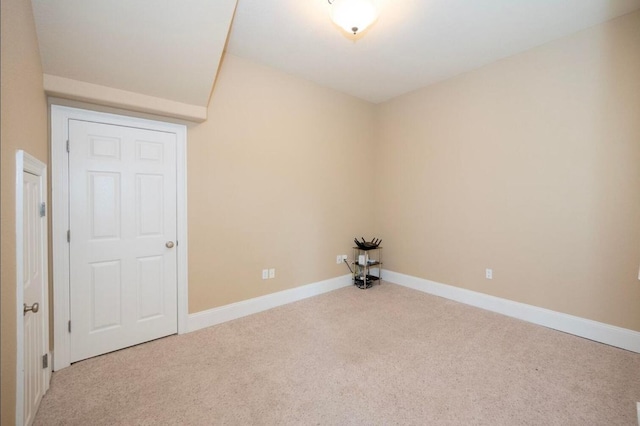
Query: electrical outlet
{"points": [[272, 273], [488, 273], [344, 257], [338, 259], [265, 274]]}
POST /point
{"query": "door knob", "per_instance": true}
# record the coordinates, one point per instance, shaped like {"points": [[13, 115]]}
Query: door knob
{"points": [[169, 244], [33, 308]]}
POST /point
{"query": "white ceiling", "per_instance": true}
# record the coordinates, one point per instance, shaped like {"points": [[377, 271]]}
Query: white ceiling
{"points": [[414, 43], [163, 48], [171, 49]]}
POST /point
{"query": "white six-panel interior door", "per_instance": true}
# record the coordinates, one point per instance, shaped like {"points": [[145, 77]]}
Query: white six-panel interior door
{"points": [[119, 231], [33, 314], [122, 242]]}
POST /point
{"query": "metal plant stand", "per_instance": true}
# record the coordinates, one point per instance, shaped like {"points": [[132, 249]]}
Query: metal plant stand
{"points": [[367, 266]]}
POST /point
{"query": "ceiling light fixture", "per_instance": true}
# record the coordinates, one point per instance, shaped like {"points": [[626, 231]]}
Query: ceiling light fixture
{"points": [[353, 15]]}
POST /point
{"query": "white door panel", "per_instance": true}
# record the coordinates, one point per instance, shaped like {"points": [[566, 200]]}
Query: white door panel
{"points": [[33, 287], [122, 214]]}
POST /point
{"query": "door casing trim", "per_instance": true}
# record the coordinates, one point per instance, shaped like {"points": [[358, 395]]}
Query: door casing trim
{"points": [[27, 163], [60, 116]]}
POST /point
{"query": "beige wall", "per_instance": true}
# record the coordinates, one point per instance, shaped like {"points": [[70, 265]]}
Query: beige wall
{"points": [[529, 166], [23, 126], [275, 181]]}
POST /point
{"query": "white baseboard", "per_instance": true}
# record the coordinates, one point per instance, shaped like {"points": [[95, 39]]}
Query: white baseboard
{"points": [[251, 306], [593, 330]]}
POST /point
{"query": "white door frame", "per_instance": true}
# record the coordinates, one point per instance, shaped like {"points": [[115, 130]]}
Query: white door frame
{"points": [[30, 164], [60, 116]]}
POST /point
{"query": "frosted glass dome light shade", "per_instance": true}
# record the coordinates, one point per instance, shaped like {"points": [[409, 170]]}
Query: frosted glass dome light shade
{"points": [[353, 15]]}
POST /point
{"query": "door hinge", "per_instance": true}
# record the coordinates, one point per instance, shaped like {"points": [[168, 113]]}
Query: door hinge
{"points": [[45, 360], [43, 209], [69, 326], [68, 236], [67, 145]]}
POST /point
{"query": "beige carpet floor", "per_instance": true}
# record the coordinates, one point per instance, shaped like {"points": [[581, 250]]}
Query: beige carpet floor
{"points": [[387, 355]]}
